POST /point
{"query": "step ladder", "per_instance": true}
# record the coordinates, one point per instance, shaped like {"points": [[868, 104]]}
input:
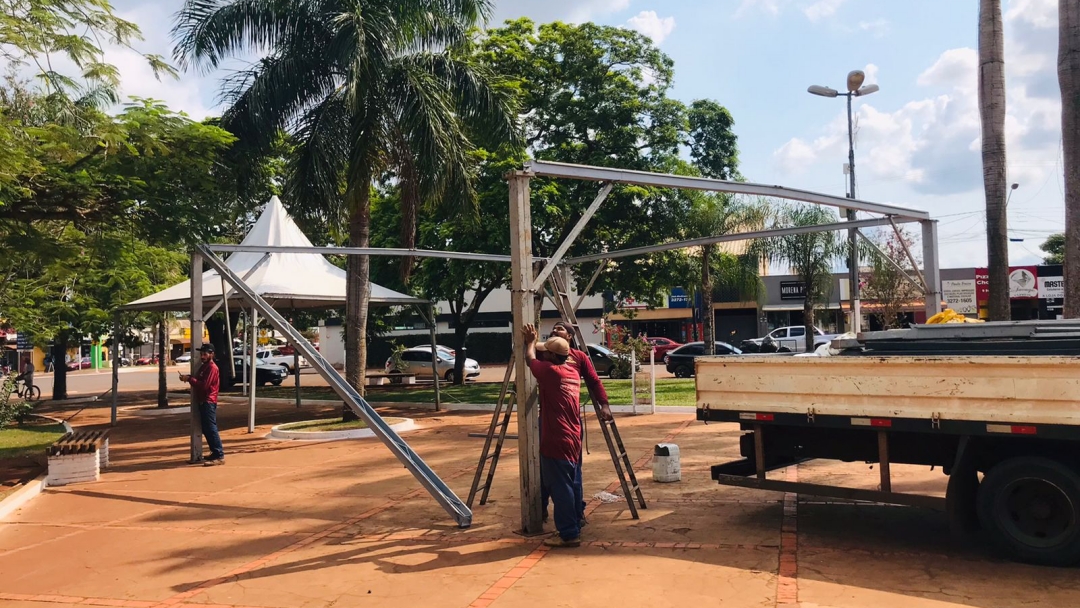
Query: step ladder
{"points": [[500, 420], [435, 486]]}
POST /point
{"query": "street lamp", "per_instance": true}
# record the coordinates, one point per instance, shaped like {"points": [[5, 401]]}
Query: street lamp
{"points": [[855, 88]]}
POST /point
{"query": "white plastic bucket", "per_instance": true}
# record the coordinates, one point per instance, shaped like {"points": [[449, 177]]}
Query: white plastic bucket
{"points": [[666, 467]]}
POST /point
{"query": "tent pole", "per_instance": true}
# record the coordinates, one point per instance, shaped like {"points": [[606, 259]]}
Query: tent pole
{"points": [[296, 364], [251, 366], [115, 365], [434, 354], [196, 343], [228, 331]]}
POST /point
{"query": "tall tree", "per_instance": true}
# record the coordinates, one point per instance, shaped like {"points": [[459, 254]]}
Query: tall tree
{"points": [[38, 33], [717, 215], [364, 87], [811, 256], [713, 145], [890, 282], [1069, 81], [1054, 248], [995, 179]]}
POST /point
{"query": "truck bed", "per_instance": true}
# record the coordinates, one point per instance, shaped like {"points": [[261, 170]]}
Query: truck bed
{"points": [[1007, 390]]}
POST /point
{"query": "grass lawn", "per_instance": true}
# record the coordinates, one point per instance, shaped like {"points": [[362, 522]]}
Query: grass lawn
{"points": [[669, 391], [29, 439]]}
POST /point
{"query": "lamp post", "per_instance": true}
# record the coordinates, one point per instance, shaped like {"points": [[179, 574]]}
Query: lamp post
{"points": [[855, 88]]}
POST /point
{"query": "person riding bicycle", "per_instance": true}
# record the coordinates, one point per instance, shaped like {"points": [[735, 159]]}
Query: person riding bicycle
{"points": [[27, 377]]}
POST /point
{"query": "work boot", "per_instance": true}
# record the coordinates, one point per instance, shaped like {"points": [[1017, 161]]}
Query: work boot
{"points": [[558, 541]]}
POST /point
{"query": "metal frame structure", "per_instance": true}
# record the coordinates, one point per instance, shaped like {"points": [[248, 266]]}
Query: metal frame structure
{"points": [[525, 283]]}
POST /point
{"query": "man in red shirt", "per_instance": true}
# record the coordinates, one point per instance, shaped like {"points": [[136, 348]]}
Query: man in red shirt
{"points": [[205, 385], [560, 431]]}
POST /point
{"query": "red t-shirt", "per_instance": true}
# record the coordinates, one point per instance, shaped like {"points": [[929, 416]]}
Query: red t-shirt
{"points": [[205, 383], [588, 374], [560, 406]]}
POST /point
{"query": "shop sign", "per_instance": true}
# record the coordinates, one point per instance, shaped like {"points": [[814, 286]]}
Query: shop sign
{"points": [[792, 290], [960, 296]]}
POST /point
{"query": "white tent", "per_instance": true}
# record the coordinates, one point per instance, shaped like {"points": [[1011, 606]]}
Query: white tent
{"points": [[285, 280]]}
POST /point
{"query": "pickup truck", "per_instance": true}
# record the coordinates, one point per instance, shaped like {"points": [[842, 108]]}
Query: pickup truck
{"points": [[276, 357], [996, 406], [792, 337]]}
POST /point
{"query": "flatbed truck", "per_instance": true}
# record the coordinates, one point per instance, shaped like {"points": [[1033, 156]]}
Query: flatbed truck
{"points": [[996, 406]]}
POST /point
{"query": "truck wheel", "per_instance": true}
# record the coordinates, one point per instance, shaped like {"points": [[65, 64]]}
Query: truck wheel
{"points": [[683, 372], [1030, 506]]}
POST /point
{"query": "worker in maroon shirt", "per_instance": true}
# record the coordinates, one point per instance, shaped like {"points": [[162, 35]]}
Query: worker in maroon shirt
{"points": [[204, 386], [560, 431], [588, 373]]}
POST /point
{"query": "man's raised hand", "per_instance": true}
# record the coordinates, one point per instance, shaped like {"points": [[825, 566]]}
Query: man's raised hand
{"points": [[528, 332]]}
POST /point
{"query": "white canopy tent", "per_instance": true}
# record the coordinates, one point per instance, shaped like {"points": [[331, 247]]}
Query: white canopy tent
{"points": [[285, 280]]}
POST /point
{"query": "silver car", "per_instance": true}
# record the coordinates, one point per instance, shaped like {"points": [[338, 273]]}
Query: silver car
{"points": [[418, 362]]}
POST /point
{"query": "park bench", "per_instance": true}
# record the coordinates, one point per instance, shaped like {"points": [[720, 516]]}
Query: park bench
{"points": [[395, 378], [78, 456]]}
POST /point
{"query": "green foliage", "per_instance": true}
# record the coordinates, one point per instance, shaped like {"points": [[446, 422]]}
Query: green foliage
{"points": [[623, 345], [713, 145], [886, 284], [39, 33], [12, 409], [397, 357], [1054, 246]]}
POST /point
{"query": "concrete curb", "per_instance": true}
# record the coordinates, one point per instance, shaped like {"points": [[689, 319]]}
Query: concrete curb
{"points": [[23, 495], [140, 410], [278, 432]]}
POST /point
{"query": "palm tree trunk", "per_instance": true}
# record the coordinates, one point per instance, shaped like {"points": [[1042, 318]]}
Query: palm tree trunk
{"points": [[992, 112], [1069, 81], [809, 321], [357, 290], [709, 319]]}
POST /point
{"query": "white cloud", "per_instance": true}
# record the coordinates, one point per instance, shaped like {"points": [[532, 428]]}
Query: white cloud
{"points": [[769, 6], [953, 68], [821, 9], [877, 27], [653, 26]]}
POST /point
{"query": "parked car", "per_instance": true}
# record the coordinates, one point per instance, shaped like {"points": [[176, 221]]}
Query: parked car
{"points": [[681, 360], [604, 361], [275, 356], [792, 337], [442, 349], [662, 346], [151, 360], [83, 363], [184, 358], [418, 362], [264, 372]]}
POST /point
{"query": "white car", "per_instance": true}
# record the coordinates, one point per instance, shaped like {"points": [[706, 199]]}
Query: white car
{"points": [[418, 362], [794, 338], [184, 358], [276, 357]]}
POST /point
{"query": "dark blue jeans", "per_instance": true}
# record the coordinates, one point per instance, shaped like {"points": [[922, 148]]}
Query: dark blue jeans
{"points": [[557, 477], [578, 488], [208, 413]]}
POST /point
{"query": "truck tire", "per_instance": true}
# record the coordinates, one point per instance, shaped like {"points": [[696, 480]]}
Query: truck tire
{"points": [[1030, 507]]}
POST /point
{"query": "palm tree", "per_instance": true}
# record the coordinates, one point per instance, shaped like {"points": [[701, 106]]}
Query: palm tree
{"points": [[1069, 81], [368, 89], [811, 255], [717, 215], [992, 112]]}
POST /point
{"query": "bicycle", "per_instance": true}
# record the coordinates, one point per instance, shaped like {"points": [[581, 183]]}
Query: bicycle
{"points": [[29, 392]]}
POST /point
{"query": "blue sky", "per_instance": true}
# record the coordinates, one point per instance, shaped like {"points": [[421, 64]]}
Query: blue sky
{"points": [[917, 139]]}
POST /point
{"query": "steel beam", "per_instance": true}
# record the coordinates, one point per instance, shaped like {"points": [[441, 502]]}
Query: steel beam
{"points": [[907, 251], [376, 251], [931, 267], [538, 282], [435, 486], [592, 281], [228, 294], [664, 180], [742, 236]]}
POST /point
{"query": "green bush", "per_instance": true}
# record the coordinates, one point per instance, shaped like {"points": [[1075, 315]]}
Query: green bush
{"points": [[10, 408]]}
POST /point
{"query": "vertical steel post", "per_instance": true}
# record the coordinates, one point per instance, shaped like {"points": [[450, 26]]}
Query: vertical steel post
{"points": [[931, 267], [251, 365], [196, 343], [523, 307], [243, 368], [433, 328]]}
